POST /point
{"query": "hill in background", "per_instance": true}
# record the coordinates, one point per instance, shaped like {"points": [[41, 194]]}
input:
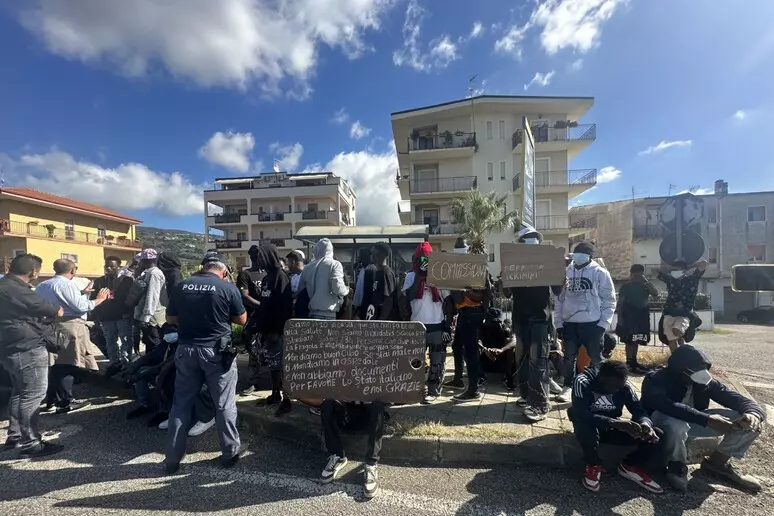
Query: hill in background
{"points": [[186, 245]]}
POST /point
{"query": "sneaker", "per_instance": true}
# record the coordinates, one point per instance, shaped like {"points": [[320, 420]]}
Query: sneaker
{"points": [[729, 473], [467, 396], [113, 369], [170, 468], [231, 462], [482, 381], [371, 482], [247, 392], [10, 444], [639, 477], [47, 406], [315, 410], [592, 477], [677, 476], [42, 450], [274, 399], [73, 406], [164, 425], [522, 402], [534, 415], [454, 384], [284, 407], [429, 399], [200, 427], [157, 419], [554, 387], [139, 412], [565, 396], [637, 369], [335, 463]]}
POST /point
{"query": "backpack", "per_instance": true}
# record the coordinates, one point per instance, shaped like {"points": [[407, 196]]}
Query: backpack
{"points": [[136, 293]]}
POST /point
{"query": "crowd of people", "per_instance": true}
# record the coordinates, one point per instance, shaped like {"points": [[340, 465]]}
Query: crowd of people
{"points": [[185, 381]]}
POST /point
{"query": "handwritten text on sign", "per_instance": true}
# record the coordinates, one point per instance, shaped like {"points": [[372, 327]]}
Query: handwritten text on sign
{"points": [[456, 271], [525, 265], [355, 360]]}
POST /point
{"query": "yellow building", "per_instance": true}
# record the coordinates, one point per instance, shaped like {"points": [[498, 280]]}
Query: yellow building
{"points": [[54, 227]]}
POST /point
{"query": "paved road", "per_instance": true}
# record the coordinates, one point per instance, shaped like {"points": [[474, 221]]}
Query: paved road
{"points": [[111, 467]]}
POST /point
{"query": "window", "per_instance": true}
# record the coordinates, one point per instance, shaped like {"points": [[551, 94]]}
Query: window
{"points": [[260, 235], [491, 252], [101, 231], [712, 215], [756, 253], [18, 252], [312, 206], [241, 236], [69, 256], [712, 255], [756, 214], [502, 170], [490, 170], [502, 129], [489, 130], [69, 229]]}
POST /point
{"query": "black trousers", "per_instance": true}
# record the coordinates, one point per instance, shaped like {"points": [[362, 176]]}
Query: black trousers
{"points": [[533, 364], [61, 378], [151, 337], [459, 356], [590, 437], [469, 321], [368, 418]]}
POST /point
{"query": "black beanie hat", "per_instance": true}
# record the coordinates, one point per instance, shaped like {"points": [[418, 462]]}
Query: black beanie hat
{"points": [[585, 247]]}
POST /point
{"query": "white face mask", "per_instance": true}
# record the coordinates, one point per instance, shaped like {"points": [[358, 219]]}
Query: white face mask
{"points": [[531, 241], [461, 250], [581, 258], [677, 274], [702, 377], [170, 337]]}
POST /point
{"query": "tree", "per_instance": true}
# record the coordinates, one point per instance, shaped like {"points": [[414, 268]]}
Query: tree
{"points": [[481, 214]]}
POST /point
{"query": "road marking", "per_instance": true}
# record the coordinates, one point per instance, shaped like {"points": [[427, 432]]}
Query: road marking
{"points": [[758, 385]]}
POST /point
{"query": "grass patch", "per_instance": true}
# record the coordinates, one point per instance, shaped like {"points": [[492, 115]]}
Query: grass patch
{"points": [[648, 356], [410, 427], [715, 331]]}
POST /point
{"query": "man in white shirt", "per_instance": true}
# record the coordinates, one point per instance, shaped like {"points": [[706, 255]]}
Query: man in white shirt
{"points": [[426, 306]]}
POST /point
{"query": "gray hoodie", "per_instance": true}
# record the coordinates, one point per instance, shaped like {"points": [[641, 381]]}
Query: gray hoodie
{"points": [[323, 280], [588, 296]]}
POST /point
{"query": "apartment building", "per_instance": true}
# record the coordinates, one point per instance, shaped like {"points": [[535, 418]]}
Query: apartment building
{"points": [[272, 207], [54, 227], [737, 228], [447, 149]]}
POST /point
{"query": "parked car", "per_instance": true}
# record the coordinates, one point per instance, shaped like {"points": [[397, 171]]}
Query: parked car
{"points": [[762, 314]]}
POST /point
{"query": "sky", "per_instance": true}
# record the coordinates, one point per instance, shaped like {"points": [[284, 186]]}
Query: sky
{"points": [[137, 106]]}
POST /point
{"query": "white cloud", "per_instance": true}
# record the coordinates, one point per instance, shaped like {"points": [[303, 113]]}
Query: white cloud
{"points": [[740, 115], [358, 130], [372, 176], [229, 150], [232, 43], [608, 174], [442, 50], [128, 186], [340, 117], [664, 145], [540, 79], [289, 156], [576, 65], [511, 42], [476, 31]]}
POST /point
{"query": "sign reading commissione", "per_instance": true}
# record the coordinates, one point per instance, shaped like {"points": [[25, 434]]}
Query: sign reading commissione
{"points": [[525, 265], [456, 271], [355, 360]]}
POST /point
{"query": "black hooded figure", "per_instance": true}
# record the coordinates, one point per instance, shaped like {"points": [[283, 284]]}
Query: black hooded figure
{"points": [[170, 265]]}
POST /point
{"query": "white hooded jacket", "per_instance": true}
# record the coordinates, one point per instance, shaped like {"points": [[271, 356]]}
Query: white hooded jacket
{"points": [[323, 280], [588, 296]]}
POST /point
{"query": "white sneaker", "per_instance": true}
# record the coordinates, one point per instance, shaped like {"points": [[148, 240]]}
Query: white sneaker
{"points": [[371, 483], [565, 396], [554, 387], [199, 428], [429, 399], [534, 415], [164, 425], [335, 463]]}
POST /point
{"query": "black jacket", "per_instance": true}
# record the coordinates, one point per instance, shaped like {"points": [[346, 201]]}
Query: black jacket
{"points": [[276, 294], [25, 317], [171, 266], [113, 309], [598, 409], [664, 390]]}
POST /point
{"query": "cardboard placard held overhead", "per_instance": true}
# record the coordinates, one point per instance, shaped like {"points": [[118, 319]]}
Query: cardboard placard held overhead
{"points": [[456, 271], [355, 360], [524, 265]]}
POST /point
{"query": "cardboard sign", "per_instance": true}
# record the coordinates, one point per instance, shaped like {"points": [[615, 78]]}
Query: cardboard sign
{"points": [[524, 265], [456, 271], [355, 360]]}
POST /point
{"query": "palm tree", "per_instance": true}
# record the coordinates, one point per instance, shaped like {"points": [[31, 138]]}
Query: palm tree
{"points": [[481, 214]]}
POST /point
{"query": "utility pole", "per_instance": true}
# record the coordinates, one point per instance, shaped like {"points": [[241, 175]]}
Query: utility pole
{"points": [[671, 187], [471, 90]]}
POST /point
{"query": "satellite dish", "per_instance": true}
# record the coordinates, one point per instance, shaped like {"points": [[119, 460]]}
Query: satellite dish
{"points": [[693, 210]]}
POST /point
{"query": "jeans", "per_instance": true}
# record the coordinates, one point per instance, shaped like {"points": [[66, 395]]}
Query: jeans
{"points": [[468, 323], [118, 340], [436, 347], [196, 366], [590, 437], [61, 378], [459, 356], [322, 315], [368, 417], [29, 379], [589, 335], [676, 431], [533, 365]]}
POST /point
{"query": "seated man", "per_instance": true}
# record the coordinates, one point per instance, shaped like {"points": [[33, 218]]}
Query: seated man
{"points": [[599, 395], [498, 347], [678, 397]]}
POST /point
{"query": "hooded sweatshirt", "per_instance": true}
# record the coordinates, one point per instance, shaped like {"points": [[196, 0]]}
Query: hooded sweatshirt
{"points": [[170, 265], [593, 406], [588, 296], [275, 294], [664, 390], [323, 280]]}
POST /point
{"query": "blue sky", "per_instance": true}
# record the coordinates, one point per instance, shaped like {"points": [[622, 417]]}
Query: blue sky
{"points": [[138, 105]]}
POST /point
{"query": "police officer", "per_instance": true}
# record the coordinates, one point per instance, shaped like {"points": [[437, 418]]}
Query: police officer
{"points": [[203, 308]]}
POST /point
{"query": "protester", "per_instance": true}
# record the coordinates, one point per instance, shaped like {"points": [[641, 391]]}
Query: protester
{"points": [[380, 289], [78, 351], [678, 397], [323, 280], [599, 396], [130, 267], [149, 312], [362, 267], [499, 347], [682, 285], [426, 306], [633, 327], [114, 316], [584, 311], [251, 299], [203, 307], [275, 310], [295, 260], [27, 331], [530, 318], [170, 265]]}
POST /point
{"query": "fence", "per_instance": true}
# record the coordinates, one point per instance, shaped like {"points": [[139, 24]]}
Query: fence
{"points": [[11, 227]]}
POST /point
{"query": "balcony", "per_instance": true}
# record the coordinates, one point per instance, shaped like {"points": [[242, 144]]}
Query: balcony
{"points": [[574, 181], [442, 185], [446, 144], [443, 227], [230, 218], [270, 217], [572, 137], [228, 244], [279, 242], [25, 229], [647, 231], [557, 223]]}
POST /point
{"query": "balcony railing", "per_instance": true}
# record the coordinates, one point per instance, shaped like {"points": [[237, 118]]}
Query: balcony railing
{"points": [[548, 222], [445, 140], [279, 242], [545, 134], [586, 176], [11, 227], [314, 215], [443, 184], [577, 239], [587, 223], [270, 217], [440, 227], [228, 244], [226, 218], [648, 231]]}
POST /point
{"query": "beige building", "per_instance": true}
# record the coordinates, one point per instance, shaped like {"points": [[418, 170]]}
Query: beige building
{"points": [[447, 149], [272, 207]]}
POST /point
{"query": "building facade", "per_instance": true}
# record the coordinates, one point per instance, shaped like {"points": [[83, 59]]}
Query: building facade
{"points": [[448, 149], [54, 227], [271, 208]]}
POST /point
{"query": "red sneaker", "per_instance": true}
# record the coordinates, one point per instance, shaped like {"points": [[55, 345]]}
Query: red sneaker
{"points": [[639, 477], [592, 476]]}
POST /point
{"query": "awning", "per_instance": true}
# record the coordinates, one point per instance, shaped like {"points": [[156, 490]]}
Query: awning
{"points": [[305, 177], [363, 234], [233, 181]]}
